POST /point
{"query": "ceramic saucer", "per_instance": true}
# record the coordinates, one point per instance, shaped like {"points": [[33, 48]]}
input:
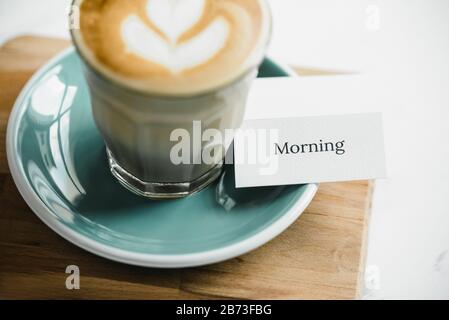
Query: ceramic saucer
{"points": [[58, 162]]}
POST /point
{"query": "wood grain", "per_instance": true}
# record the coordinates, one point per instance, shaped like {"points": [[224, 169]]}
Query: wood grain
{"points": [[321, 256]]}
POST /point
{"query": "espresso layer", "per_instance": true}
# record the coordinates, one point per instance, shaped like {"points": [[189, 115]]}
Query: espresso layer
{"points": [[172, 46]]}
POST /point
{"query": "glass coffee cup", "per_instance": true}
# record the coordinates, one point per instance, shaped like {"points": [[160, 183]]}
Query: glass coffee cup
{"points": [[143, 121]]}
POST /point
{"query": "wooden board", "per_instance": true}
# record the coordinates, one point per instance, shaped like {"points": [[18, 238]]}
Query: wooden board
{"points": [[320, 256]]}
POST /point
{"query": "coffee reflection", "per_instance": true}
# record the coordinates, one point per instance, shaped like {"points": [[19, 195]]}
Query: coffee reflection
{"points": [[49, 112]]}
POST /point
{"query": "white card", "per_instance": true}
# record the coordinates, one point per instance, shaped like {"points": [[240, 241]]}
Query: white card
{"points": [[309, 149]]}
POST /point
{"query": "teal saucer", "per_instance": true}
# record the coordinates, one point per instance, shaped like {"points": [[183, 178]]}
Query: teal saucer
{"points": [[58, 162]]}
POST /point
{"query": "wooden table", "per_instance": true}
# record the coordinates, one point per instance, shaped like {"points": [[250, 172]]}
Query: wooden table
{"points": [[320, 256]]}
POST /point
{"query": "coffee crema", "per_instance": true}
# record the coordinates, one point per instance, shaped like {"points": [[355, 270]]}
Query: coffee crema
{"points": [[172, 46]]}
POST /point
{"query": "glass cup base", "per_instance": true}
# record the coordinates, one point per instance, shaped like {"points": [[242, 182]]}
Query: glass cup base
{"points": [[161, 190]]}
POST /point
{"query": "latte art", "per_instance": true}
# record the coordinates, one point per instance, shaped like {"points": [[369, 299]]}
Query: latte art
{"points": [[172, 46], [144, 42], [175, 17]]}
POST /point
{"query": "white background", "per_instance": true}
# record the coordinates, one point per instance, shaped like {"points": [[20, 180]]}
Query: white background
{"points": [[404, 45]]}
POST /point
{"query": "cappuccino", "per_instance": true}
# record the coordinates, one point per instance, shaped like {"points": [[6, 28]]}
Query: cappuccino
{"points": [[155, 67], [172, 47]]}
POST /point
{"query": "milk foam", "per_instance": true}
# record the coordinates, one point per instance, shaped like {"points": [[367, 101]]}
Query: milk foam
{"points": [[174, 18], [173, 46]]}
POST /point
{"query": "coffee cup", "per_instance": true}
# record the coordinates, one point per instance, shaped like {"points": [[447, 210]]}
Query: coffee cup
{"points": [[157, 66]]}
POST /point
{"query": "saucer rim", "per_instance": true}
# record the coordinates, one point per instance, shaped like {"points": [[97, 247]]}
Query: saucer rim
{"points": [[124, 256]]}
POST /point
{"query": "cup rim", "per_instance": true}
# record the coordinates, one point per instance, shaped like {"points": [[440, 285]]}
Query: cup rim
{"points": [[123, 84]]}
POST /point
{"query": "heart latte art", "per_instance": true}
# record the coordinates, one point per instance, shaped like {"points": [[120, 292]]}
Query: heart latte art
{"points": [[173, 19], [176, 46]]}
